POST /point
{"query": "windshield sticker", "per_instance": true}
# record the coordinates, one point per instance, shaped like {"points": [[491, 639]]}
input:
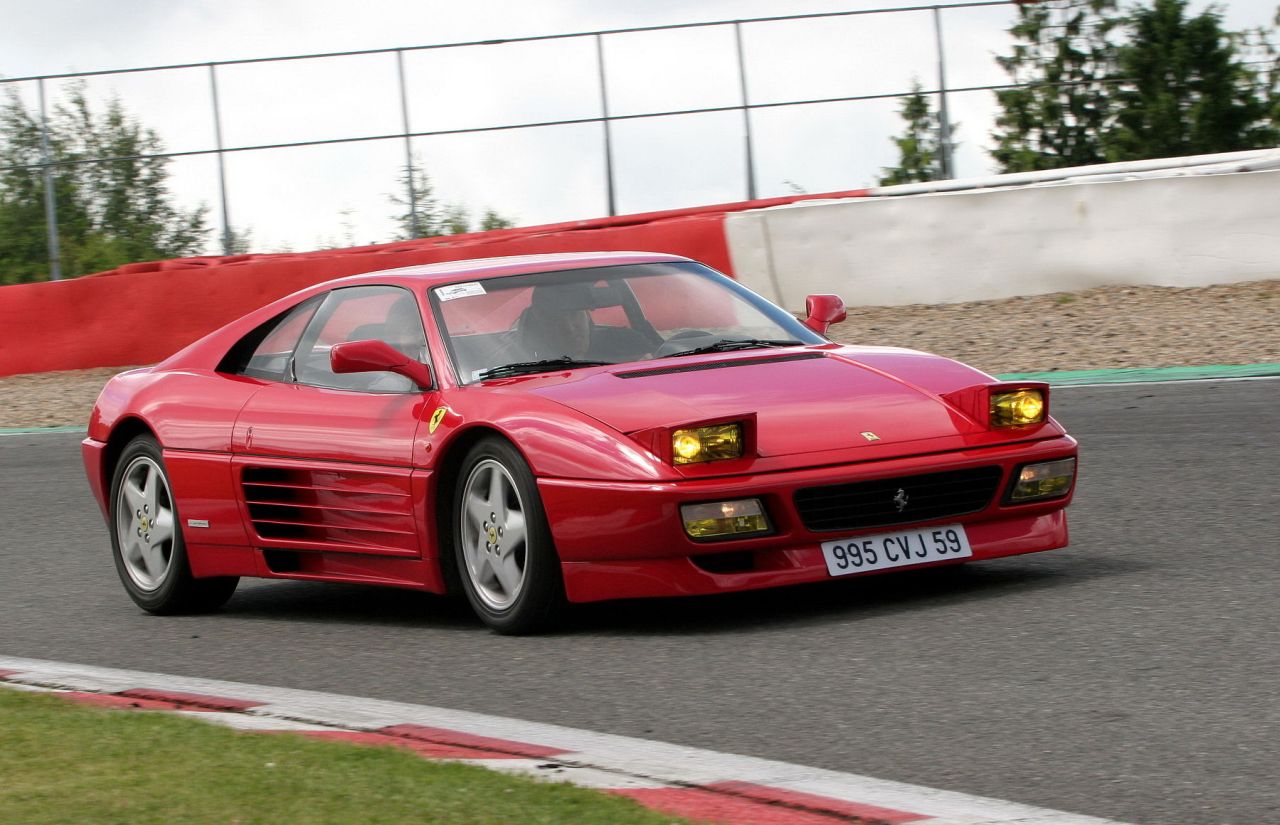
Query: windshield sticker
{"points": [[452, 291]]}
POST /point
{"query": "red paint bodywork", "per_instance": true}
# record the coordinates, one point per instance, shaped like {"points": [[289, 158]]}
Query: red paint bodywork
{"points": [[359, 472]]}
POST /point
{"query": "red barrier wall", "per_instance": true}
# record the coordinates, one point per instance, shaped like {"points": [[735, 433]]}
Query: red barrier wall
{"points": [[141, 313]]}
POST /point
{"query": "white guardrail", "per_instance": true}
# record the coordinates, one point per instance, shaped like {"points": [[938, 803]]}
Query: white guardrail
{"points": [[1182, 222]]}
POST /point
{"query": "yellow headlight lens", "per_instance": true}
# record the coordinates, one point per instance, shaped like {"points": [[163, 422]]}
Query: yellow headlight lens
{"points": [[1017, 408], [706, 443], [1050, 479], [724, 518], [686, 444]]}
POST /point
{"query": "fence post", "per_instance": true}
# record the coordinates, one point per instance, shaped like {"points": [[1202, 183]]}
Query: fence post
{"points": [[414, 229], [944, 119], [50, 200], [222, 168], [608, 142], [746, 113]]}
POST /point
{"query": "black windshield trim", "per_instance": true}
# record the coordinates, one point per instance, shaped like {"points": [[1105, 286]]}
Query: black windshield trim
{"points": [[534, 367], [732, 344]]}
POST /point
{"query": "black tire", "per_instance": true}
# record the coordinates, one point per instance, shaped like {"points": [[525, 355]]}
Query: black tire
{"points": [[148, 547], [486, 564]]}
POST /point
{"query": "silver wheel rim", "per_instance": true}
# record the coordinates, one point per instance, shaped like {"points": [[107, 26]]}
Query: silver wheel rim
{"points": [[145, 525], [494, 540]]}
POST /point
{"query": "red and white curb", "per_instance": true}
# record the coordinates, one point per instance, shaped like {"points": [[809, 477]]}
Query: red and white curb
{"points": [[699, 784]]}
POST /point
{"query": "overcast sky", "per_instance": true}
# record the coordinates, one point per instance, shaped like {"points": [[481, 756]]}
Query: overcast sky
{"points": [[302, 198]]}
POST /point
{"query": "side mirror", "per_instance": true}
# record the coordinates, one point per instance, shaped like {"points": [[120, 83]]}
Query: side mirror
{"points": [[823, 311], [378, 356]]}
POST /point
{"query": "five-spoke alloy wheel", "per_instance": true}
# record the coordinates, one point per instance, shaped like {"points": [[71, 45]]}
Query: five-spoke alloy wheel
{"points": [[502, 545], [146, 538], [145, 523]]}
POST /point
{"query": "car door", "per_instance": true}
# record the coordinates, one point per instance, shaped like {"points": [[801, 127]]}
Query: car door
{"points": [[322, 461]]}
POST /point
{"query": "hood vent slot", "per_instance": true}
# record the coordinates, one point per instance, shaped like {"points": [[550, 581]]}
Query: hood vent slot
{"points": [[715, 365]]}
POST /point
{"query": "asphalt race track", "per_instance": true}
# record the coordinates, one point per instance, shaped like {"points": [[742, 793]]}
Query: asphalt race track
{"points": [[1126, 677]]}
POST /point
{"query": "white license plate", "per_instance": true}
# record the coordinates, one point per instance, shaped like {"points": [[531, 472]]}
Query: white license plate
{"points": [[885, 550]]}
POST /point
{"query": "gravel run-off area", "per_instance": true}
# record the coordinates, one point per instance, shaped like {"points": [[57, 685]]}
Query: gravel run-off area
{"points": [[1108, 327]]}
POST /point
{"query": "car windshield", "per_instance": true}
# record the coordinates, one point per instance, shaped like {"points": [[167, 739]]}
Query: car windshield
{"points": [[523, 324]]}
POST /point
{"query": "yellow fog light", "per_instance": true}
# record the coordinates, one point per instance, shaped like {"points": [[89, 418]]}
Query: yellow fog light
{"points": [[1052, 479], [1017, 408], [706, 443], [720, 519]]}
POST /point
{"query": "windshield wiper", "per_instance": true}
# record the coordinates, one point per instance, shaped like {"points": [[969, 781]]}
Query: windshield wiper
{"points": [[729, 344], [545, 365]]}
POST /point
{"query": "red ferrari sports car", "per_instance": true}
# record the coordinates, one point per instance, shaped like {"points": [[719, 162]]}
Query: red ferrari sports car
{"points": [[530, 431]]}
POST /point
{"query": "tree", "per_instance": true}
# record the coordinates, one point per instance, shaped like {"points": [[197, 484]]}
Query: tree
{"points": [[24, 252], [1262, 47], [1186, 88], [108, 213], [427, 217], [919, 147], [1064, 62], [1097, 86], [417, 218], [238, 241], [491, 220], [454, 220]]}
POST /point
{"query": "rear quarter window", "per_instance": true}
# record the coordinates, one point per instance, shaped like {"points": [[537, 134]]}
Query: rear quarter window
{"points": [[268, 351]]}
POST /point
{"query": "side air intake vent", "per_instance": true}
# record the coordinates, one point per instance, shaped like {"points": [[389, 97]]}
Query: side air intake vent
{"points": [[330, 510]]}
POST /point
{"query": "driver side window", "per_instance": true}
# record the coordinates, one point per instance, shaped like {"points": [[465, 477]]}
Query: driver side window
{"points": [[382, 313]]}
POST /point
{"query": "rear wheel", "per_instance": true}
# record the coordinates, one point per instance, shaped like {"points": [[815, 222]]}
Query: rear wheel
{"points": [[503, 549], [146, 538]]}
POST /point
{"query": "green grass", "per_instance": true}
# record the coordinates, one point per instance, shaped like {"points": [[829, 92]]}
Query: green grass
{"points": [[63, 763]]}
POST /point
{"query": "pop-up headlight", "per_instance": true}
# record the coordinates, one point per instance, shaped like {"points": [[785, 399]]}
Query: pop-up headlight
{"points": [[713, 443], [1017, 408]]}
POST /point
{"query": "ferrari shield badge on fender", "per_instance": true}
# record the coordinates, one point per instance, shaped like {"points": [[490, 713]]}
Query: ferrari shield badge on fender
{"points": [[436, 418], [870, 436]]}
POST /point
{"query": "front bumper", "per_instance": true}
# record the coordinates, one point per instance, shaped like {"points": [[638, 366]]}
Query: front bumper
{"points": [[626, 539]]}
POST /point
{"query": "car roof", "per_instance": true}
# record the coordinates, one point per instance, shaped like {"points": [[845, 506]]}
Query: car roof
{"points": [[476, 268], [210, 349]]}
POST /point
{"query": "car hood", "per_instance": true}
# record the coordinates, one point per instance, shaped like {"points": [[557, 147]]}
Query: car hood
{"points": [[803, 401]]}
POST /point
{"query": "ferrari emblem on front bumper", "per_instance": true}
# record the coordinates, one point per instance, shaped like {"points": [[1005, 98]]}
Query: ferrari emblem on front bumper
{"points": [[900, 500]]}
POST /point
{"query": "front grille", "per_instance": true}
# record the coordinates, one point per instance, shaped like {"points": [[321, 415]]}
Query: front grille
{"points": [[866, 504]]}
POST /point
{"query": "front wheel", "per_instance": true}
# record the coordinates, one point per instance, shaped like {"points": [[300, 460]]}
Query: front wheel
{"points": [[502, 544], [146, 538]]}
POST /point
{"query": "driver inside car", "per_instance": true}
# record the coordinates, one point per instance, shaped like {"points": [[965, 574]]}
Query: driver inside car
{"points": [[558, 324]]}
